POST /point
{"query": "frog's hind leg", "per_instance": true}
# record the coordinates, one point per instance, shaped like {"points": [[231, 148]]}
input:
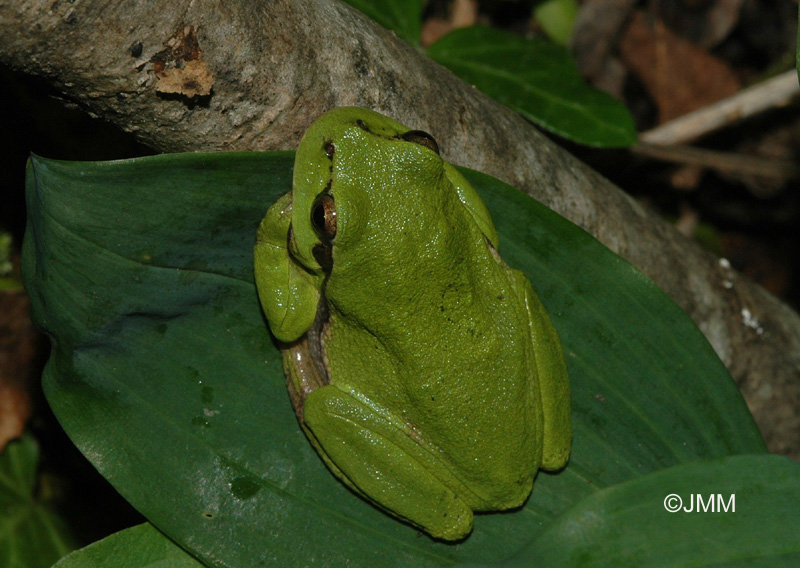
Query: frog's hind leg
{"points": [[365, 449]]}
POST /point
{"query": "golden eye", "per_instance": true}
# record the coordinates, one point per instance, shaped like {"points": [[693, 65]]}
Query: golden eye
{"points": [[422, 138], [323, 217]]}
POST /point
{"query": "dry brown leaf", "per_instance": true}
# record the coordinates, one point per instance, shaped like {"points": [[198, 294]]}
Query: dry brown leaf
{"points": [[18, 341], [679, 76]]}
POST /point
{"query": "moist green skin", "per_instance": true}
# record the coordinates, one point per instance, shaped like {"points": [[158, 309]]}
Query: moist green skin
{"points": [[424, 370]]}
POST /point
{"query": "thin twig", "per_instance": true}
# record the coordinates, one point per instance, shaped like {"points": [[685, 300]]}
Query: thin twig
{"points": [[722, 161], [774, 92]]}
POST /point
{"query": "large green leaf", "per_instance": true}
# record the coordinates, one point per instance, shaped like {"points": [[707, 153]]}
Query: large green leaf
{"points": [[164, 375], [141, 546], [32, 534], [675, 517], [538, 79]]}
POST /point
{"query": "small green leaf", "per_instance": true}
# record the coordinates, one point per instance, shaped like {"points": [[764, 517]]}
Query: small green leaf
{"points": [[31, 534], [141, 546], [5, 253], [557, 18], [164, 374], [403, 17], [6, 281], [9, 284], [538, 79]]}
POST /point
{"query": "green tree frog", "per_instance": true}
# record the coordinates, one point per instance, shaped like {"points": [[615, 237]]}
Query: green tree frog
{"points": [[424, 371]]}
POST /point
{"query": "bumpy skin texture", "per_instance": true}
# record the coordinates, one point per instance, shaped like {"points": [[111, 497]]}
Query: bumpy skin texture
{"points": [[423, 369]]}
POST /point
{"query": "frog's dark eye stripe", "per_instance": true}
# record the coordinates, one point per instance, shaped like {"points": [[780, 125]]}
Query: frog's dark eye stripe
{"points": [[323, 255], [422, 138], [323, 217]]}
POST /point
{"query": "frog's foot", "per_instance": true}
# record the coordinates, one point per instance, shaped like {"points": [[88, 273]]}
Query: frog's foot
{"points": [[365, 450]]}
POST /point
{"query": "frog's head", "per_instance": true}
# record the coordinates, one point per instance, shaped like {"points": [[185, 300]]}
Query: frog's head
{"points": [[365, 188]]}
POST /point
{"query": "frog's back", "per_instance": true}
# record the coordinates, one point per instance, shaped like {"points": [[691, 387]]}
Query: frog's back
{"points": [[485, 385], [458, 368]]}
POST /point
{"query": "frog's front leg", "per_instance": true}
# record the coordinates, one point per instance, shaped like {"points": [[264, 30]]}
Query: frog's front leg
{"points": [[553, 382], [364, 448], [288, 292]]}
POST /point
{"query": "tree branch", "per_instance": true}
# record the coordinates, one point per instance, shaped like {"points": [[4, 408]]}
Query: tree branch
{"points": [[272, 67]]}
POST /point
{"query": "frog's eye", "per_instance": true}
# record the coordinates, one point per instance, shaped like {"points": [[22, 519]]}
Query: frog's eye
{"points": [[323, 217], [422, 138]]}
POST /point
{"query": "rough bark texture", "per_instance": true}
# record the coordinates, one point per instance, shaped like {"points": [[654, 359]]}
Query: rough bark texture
{"points": [[272, 67]]}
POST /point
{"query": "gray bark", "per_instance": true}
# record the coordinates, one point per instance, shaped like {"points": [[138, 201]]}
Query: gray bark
{"points": [[274, 66]]}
